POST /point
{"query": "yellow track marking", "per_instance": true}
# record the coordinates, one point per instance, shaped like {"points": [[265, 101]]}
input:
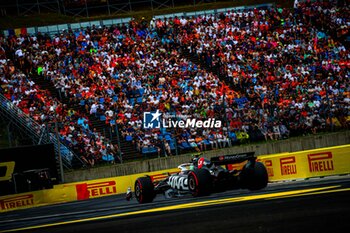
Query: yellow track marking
{"points": [[197, 204]]}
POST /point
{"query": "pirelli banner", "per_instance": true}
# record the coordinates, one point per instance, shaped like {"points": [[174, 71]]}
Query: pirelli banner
{"points": [[37, 198], [77, 191], [307, 164]]}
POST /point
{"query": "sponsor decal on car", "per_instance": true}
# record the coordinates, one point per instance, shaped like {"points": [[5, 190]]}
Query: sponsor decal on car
{"points": [[236, 166], [178, 182], [321, 162], [17, 202], [86, 191], [158, 177], [288, 166], [235, 157]]}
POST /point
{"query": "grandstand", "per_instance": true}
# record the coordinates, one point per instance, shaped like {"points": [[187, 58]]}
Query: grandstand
{"points": [[268, 73]]}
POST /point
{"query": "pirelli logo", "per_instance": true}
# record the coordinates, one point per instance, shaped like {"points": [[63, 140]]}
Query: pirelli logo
{"points": [[17, 202], [86, 191], [321, 162], [288, 166]]}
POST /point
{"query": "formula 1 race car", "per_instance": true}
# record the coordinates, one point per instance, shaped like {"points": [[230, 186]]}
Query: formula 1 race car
{"points": [[202, 177]]}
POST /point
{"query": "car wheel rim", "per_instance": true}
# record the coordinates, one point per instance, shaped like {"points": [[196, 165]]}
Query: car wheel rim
{"points": [[137, 191], [192, 184]]}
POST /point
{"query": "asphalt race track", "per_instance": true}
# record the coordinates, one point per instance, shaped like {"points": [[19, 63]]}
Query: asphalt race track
{"points": [[314, 205]]}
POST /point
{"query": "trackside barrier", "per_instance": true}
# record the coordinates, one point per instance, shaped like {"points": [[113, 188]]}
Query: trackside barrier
{"points": [[36, 198], [307, 164], [281, 167], [76, 191]]}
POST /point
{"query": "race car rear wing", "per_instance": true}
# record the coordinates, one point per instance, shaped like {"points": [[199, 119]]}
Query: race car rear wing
{"points": [[235, 158]]}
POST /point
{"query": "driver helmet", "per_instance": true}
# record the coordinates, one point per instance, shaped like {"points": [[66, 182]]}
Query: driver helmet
{"points": [[204, 162]]}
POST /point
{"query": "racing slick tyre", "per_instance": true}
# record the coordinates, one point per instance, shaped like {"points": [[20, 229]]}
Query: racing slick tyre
{"points": [[144, 190], [200, 182], [254, 177]]}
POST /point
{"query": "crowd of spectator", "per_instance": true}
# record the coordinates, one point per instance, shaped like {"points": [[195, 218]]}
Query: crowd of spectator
{"points": [[266, 74], [331, 16], [291, 74], [17, 86]]}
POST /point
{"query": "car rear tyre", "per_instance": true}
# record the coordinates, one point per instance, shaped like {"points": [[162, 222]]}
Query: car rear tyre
{"points": [[254, 177], [144, 190], [200, 182]]}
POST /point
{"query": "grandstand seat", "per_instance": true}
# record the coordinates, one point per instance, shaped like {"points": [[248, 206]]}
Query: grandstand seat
{"points": [[152, 150], [144, 150], [102, 118], [82, 102], [244, 99], [172, 145], [139, 100], [185, 135], [149, 150], [138, 93], [206, 142], [128, 138], [168, 137], [185, 146], [115, 98], [108, 158], [232, 135]]}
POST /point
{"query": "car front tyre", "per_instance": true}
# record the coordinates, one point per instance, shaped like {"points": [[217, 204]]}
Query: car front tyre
{"points": [[144, 190]]}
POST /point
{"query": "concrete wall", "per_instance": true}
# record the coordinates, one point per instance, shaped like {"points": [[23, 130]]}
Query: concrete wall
{"points": [[271, 147]]}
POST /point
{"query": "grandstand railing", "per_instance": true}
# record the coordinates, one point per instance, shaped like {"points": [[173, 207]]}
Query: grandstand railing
{"points": [[214, 11], [55, 29], [90, 8], [40, 133]]}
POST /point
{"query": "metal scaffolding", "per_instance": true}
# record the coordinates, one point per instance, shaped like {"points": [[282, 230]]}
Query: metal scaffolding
{"points": [[88, 8]]}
